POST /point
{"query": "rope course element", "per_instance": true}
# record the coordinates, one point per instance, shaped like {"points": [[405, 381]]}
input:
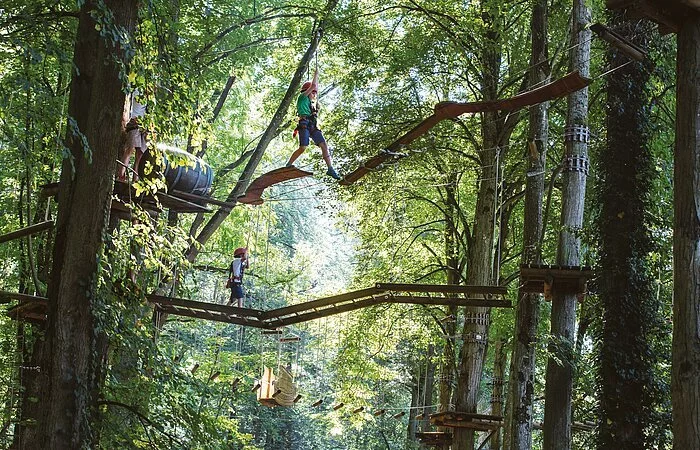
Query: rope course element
{"points": [[381, 293]]}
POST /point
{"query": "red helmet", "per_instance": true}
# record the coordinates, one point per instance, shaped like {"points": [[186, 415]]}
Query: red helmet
{"points": [[240, 251], [305, 86]]}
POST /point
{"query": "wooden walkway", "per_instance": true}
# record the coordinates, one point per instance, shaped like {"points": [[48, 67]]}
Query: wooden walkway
{"points": [[381, 293]]}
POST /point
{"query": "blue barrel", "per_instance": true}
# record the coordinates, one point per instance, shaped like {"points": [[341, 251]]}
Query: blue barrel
{"points": [[182, 171]]}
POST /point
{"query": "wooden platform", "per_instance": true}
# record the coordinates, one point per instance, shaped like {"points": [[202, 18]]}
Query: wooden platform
{"points": [[30, 308], [545, 279], [434, 438], [253, 195], [175, 201], [450, 110], [668, 14], [423, 294], [455, 419]]}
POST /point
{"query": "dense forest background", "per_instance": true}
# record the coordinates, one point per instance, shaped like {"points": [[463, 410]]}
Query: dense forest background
{"points": [[214, 75]]}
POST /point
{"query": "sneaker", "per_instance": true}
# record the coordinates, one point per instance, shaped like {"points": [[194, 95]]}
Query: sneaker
{"points": [[332, 173]]}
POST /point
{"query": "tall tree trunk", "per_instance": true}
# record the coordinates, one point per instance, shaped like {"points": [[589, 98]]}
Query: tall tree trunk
{"points": [[499, 373], [626, 292], [453, 276], [685, 381], [559, 383], [70, 366], [480, 253], [521, 383]]}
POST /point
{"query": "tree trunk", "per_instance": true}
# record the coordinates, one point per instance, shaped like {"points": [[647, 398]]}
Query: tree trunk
{"points": [[559, 383], [626, 292], [521, 383], [480, 253], [499, 373], [97, 103], [685, 381]]}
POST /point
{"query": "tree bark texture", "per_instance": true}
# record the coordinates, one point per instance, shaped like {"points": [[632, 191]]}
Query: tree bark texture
{"points": [[480, 253], [685, 381], [71, 363], [521, 383], [559, 382], [499, 372], [626, 292]]}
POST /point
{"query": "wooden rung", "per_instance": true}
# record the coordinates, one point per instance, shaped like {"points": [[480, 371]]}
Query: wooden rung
{"points": [[235, 384], [271, 331], [27, 231], [338, 406], [194, 368], [399, 415], [420, 416], [297, 398], [317, 403], [358, 410], [379, 412], [290, 339], [277, 392], [214, 375], [256, 387]]}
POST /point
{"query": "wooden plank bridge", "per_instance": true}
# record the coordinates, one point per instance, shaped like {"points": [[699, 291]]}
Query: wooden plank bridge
{"points": [[34, 308]]}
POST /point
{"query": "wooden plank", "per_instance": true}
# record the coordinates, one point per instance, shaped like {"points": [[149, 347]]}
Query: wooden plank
{"points": [[285, 321], [253, 195], [449, 110], [562, 87], [454, 301], [204, 306], [320, 303], [6, 297], [179, 311], [27, 231], [443, 288], [179, 204]]}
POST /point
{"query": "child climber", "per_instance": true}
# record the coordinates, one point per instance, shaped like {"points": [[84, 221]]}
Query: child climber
{"points": [[235, 276], [307, 111]]}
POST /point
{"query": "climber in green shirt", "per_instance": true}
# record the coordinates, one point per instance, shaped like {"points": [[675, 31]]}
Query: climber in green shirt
{"points": [[307, 129]]}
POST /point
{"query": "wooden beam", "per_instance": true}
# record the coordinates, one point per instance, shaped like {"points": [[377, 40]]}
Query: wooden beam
{"points": [[336, 309], [442, 288], [320, 303], [454, 301], [6, 297], [179, 204], [204, 306], [27, 231], [221, 317]]}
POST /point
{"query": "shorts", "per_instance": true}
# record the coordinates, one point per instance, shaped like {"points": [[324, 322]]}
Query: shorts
{"points": [[237, 291], [136, 138], [306, 131]]}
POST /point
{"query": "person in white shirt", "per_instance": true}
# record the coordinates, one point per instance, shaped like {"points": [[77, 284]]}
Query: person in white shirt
{"points": [[235, 276]]}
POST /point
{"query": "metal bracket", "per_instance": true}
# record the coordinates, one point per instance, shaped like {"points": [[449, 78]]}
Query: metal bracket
{"points": [[576, 163], [577, 133]]}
